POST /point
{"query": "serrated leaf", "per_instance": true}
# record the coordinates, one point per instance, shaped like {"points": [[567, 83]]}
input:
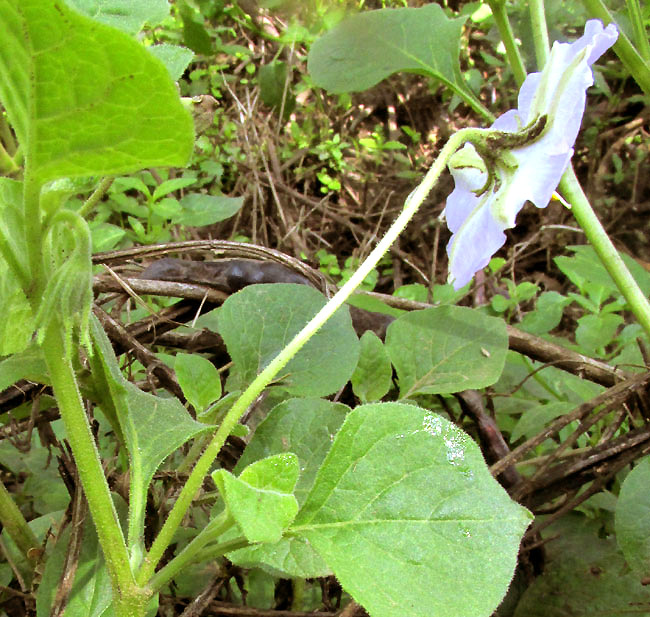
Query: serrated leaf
{"points": [[372, 379], [153, 427], [261, 500], [200, 210], [368, 47], [633, 518], [84, 98], [257, 322], [199, 380], [446, 349], [404, 500]]}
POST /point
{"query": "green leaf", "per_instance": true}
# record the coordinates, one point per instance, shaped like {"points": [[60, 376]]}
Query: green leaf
{"points": [[594, 332], [446, 349], [306, 427], [372, 379], [174, 57], [584, 267], [404, 500], [28, 364], [84, 98], [547, 314], [633, 518], [91, 594], [152, 427], [537, 417], [368, 47], [17, 324], [585, 575], [199, 380], [203, 210], [124, 15], [261, 500], [169, 186], [274, 88], [257, 322]]}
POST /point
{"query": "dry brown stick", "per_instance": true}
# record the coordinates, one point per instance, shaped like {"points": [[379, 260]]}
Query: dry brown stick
{"points": [[223, 608], [118, 333], [77, 521], [611, 397], [600, 476], [203, 600], [168, 289], [535, 348], [593, 463]]}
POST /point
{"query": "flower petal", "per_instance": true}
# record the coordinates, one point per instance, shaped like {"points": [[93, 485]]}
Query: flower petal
{"points": [[528, 173]]}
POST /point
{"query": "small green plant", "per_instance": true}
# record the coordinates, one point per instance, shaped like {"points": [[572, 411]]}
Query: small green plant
{"points": [[386, 496]]}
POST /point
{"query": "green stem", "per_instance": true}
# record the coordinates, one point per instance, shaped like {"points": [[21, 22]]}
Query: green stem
{"points": [[16, 526], [498, 8], [210, 532], [640, 36], [98, 193], [540, 32], [195, 479], [624, 49], [597, 236], [93, 480]]}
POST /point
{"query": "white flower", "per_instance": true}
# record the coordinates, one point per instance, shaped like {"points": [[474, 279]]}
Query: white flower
{"points": [[493, 181]]}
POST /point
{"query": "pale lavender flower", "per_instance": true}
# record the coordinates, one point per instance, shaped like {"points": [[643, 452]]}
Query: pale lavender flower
{"points": [[530, 172]]}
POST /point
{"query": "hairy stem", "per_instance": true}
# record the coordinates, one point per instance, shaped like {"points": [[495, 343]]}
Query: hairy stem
{"points": [[597, 236], [515, 61], [195, 479], [93, 480], [540, 32], [211, 532], [624, 49], [98, 193], [16, 526]]}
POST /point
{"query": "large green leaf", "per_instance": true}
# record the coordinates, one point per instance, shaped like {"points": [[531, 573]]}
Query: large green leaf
{"points": [[407, 515], [17, 323], [446, 349], [633, 518], [84, 98], [368, 47], [125, 15], [257, 323], [151, 427], [585, 576], [261, 499], [306, 427]]}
